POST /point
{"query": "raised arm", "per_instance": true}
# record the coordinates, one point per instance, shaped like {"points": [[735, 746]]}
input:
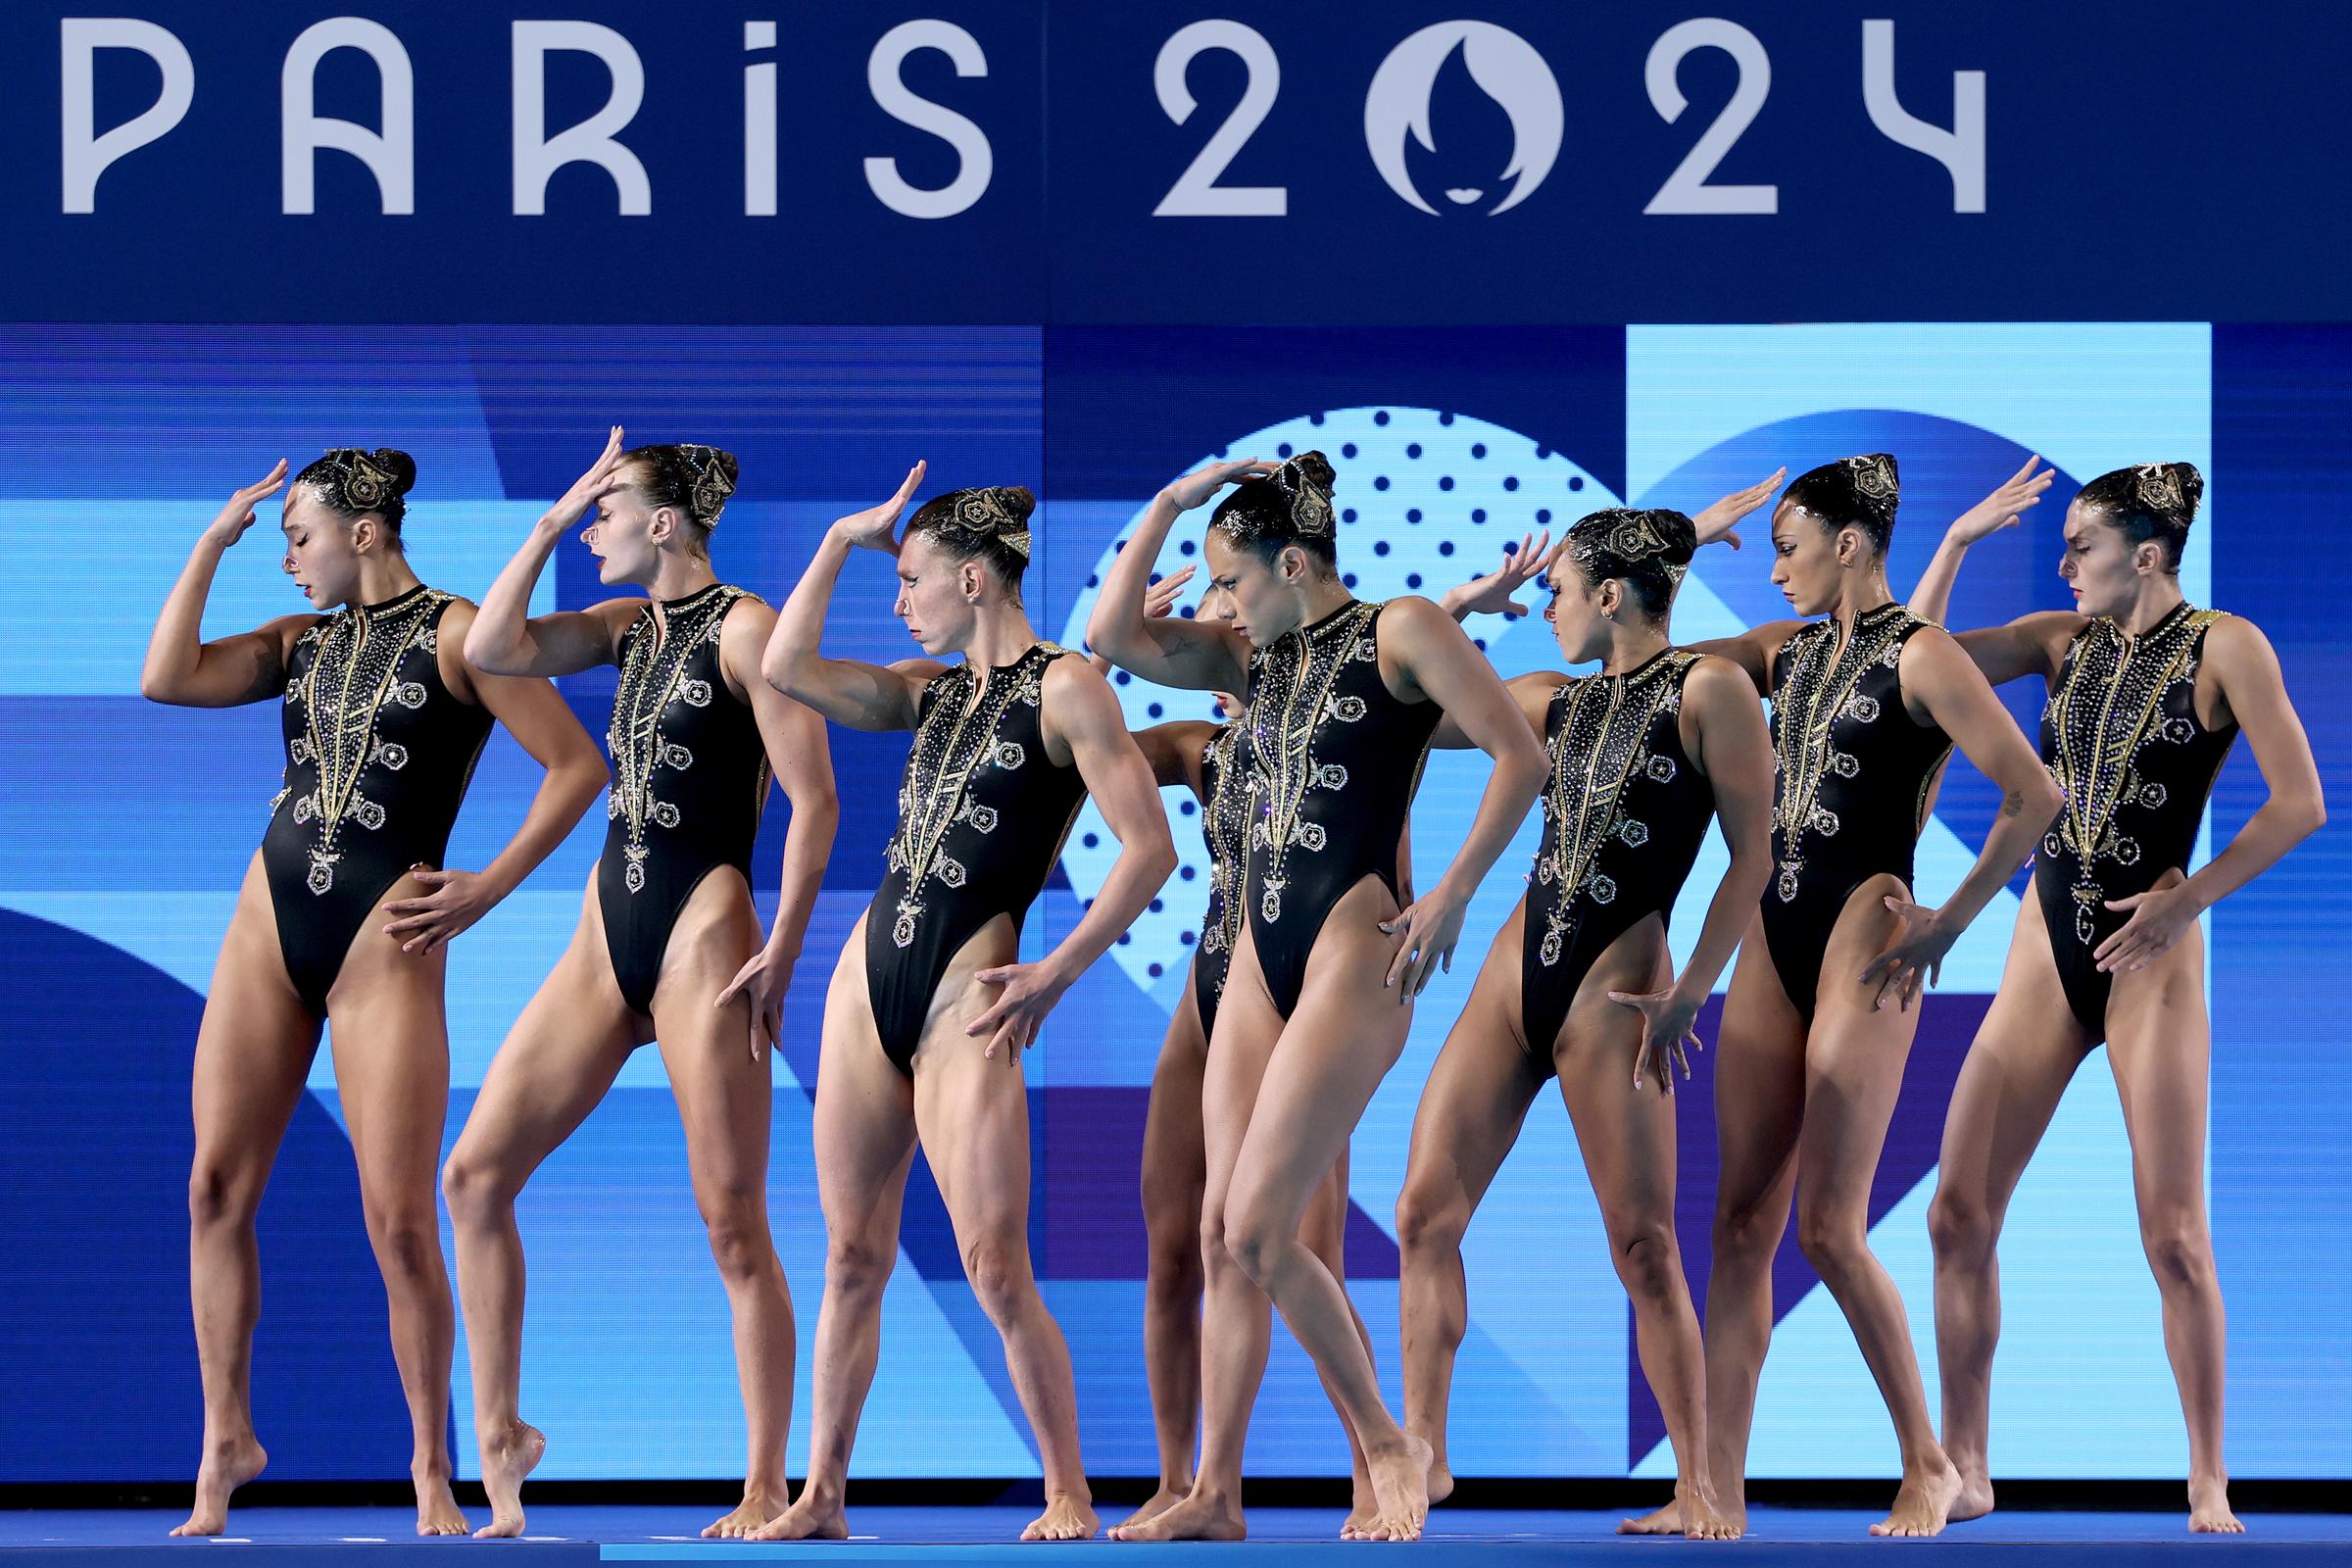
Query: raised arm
{"points": [[1752, 650], [1436, 657], [1081, 714], [1530, 693], [1159, 600], [506, 639], [1168, 650], [1723, 731], [250, 667], [847, 691], [543, 725], [1954, 694], [1490, 594], [2246, 670], [794, 738], [2023, 647], [1719, 519]]}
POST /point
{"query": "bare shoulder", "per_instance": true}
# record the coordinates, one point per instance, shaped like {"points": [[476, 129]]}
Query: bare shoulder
{"points": [[1714, 678], [1417, 617], [2235, 637], [1075, 680]]}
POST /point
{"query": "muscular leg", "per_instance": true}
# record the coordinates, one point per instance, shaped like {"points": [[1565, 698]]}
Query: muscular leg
{"points": [[1759, 1106], [1174, 1169], [1236, 1318], [1342, 1039], [865, 1135], [1325, 1233], [725, 1101], [390, 1037], [1628, 1140], [253, 1050], [2160, 1043], [972, 1113], [2024, 1055], [1470, 1114], [1854, 1060], [557, 1062]]}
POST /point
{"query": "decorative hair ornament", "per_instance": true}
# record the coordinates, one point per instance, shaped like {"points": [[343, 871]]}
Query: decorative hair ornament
{"points": [[1632, 538], [1874, 475], [1311, 502], [989, 512], [2159, 489], [707, 484], [363, 483]]}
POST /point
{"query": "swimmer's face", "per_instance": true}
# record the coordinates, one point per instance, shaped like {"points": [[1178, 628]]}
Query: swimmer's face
{"points": [[2105, 569], [626, 536], [1262, 600], [938, 595], [324, 548], [1811, 557]]}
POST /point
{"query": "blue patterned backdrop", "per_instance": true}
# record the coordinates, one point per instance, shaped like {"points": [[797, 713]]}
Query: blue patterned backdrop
{"points": [[124, 828]]}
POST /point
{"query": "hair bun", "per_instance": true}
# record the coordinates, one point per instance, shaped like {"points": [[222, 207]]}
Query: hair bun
{"points": [[400, 467], [1875, 478], [2192, 488], [710, 480], [1316, 468], [358, 480], [1015, 500]]}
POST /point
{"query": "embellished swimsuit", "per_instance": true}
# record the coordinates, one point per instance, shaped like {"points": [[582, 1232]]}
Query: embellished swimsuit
{"points": [[982, 814], [1850, 788], [1333, 757], [1624, 814], [2121, 735], [378, 755], [688, 780], [1224, 814]]}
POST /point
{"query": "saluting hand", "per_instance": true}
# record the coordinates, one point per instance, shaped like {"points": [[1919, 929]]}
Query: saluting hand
{"points": [[237, 516]]}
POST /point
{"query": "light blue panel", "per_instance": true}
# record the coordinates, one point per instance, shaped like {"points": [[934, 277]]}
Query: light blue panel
{"points": [[179, 933], [628, 1356], [75, 622]]}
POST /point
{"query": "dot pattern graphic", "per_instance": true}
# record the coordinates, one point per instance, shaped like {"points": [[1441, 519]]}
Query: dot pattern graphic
{"points": [[1427, 499]]}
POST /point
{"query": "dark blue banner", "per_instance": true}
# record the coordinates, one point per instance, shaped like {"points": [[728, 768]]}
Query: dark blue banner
{"points": [[1306, 161]]}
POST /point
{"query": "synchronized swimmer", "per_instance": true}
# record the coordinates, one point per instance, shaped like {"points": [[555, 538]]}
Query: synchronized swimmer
{"points": [[1314, 946]]}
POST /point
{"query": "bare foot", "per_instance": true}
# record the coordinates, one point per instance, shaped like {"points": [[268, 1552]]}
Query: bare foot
{"points": [[812, 1518], [2209, 1509], [1924, 1501], [505, 1460], [226, 1467], [1666, 1521], [436, 1510], [1363, 1507], [1157, 1503], [1200, 1516], [1441, 1479], [1975, 1490], [757, 1508], [1400, 1480], [1703, 1519], [1064, 1519]]}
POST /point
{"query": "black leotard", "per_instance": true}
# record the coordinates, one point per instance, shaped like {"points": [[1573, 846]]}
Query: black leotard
{"points": [[982, 814], [1623, 815], [2121, 735], [1333, 759], [1850, 791], [688, 780], [1224, 808], [378, 755]]}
